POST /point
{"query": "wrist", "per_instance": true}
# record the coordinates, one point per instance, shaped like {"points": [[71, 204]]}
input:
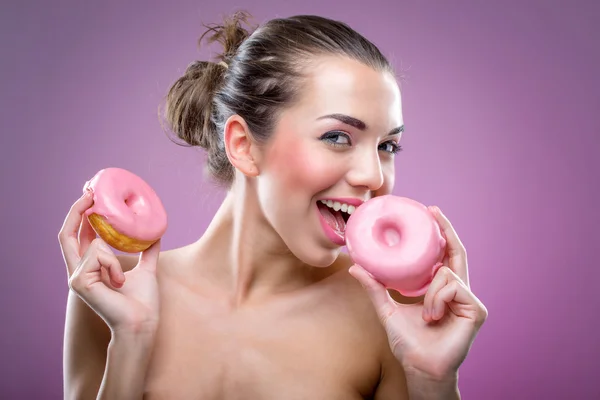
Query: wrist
{"points": [[134, 340], [139, 341], [422, 385], [138, 331]]}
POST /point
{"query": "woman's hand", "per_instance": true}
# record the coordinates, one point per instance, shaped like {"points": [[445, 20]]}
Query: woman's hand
{"points": [[127, 302], [431, 338]]}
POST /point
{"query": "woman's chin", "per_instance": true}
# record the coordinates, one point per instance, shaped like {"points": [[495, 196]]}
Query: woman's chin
{"points": [[321, 257]]}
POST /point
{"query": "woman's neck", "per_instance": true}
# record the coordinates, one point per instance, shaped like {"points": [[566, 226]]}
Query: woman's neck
{"points": [[242, 255]]}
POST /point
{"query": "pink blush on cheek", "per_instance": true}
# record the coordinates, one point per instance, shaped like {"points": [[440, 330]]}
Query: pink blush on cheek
{"points": [[295, 163]]}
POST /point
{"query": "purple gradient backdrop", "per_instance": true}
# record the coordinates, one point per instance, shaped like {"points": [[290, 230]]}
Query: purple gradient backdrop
{"points": [[501, 104]]}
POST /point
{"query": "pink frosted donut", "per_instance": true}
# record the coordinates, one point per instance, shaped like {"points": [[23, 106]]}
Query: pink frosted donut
{"points": [[398, 241], [126, 213]]}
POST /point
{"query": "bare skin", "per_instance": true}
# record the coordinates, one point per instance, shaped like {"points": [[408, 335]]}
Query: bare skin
{"points": [[322, 341], [263, 306]]}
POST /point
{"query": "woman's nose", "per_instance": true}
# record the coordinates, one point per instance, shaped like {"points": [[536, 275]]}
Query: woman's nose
{"points": [[366, 171]]}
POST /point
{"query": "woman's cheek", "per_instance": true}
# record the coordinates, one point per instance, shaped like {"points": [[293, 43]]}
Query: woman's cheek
{"points": [[306, 168]]}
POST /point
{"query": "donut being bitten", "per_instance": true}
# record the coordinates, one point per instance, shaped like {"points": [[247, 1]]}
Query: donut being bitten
{"points": [[127, 213], [398, 241]]}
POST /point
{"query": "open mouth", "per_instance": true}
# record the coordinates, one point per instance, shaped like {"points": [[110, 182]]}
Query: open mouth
{"points": [[335, 214]]}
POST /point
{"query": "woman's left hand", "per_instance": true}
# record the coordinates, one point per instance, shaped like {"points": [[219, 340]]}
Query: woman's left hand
{"points": [[432, 337]]}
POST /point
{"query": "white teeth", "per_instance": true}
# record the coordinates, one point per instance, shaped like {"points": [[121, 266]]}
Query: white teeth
{"points": [[336, 205]]}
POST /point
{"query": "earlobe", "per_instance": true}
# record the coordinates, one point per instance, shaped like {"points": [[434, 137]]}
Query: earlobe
{"points": [[239, 145]]}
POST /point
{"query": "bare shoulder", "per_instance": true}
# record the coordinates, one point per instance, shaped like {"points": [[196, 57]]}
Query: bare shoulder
{"points": [[392, 379], [358, 303]]}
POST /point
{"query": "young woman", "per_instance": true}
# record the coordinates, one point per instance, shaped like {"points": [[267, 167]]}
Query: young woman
{"points": [[264, 305]]}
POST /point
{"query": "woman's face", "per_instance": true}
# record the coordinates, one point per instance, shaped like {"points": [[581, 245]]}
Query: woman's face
{"points": [[337, 142]]}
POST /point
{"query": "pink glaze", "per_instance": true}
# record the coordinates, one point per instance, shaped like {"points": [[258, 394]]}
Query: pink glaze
{"points": [[128, 203], [398, 241]]}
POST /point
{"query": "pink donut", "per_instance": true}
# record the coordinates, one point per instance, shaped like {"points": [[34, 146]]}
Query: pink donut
{"points": [[398, 241], [127, 213]]}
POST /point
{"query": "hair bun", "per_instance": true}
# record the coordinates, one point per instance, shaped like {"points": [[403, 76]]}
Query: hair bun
{"points": [[257, 74], [189, 104], [230, 35]]}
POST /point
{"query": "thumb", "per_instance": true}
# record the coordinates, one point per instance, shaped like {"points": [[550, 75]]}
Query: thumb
{"points": [[381, 299], [149, 257]]}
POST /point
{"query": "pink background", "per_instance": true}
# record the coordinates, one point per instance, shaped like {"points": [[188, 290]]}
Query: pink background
{"points": [[501, 106]]}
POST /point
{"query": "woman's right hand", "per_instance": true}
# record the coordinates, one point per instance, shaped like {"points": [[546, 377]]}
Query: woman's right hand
{"points": [[128, 302]]}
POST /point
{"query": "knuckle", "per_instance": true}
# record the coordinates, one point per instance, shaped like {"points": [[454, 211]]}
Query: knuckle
{"points": [[445, 271], [481, 315], [454, 285], [75, 283], [385, 313], [484, 312]]}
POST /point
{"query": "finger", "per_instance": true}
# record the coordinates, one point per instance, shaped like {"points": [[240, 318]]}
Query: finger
{"points": [[67, 237], [439, 280], [455, 292], [107, 280], [99, 255], [382, 301], [90, 268], [456, 249], [86, 235], [113, 270], [105, 277], [149, 257]]}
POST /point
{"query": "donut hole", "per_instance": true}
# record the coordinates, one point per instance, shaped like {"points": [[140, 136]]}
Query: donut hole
{"points": [[135, 203], [388, 234]]}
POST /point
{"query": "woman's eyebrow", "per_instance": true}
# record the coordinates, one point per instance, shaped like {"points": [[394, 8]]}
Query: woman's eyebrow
{"points": [[357, 123]]}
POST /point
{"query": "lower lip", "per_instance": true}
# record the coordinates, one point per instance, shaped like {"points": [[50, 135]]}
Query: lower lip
{"points": [[332, 235]]}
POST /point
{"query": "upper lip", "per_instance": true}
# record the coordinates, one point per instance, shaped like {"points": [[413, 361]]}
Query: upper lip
{"points": [[352, 201]]}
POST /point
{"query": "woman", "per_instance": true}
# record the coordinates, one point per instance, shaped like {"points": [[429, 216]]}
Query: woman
{"points": [[264, 305]]}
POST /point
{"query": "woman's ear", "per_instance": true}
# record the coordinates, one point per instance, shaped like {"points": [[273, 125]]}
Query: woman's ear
{"points": [[240, 146]]}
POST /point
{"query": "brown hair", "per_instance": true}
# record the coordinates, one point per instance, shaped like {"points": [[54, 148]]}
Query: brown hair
{"points": [[257, 76]]}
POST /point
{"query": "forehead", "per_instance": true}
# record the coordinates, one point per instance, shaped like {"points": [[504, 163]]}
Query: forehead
{"points": [[341, 85]]}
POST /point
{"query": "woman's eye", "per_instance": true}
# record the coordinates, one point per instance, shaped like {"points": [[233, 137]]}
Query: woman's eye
{"points": [[337, 138], [342, 139], [391, 147]]}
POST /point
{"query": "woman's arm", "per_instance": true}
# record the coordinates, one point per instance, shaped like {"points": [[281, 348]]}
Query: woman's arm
{"points": [[85, 345], [94, 360], [126, 365], [398, 384]]}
